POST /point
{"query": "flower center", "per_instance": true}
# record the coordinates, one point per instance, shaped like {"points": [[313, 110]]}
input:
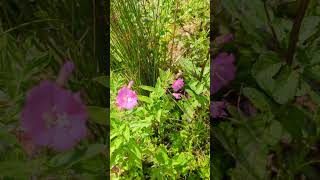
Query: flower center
{"points": [[129, 99], [55, 119]]}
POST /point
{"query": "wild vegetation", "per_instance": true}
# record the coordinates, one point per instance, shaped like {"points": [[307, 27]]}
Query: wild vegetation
{"points": [[266, 107], [159, 84], [36, 39]]}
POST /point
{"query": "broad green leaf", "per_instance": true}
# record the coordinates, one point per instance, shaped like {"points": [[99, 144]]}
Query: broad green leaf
{"points": [[98, 114], [286, 86], [144, 99], [258, 99], [273, 133], [264, 70], [293, 120]]}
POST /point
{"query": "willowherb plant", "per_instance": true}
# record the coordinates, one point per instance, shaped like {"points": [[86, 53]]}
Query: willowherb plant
{"points": [[53, 116]]}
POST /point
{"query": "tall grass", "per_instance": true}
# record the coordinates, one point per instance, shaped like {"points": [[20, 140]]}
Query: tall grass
{"points": [[36, 38], [136, 28]]}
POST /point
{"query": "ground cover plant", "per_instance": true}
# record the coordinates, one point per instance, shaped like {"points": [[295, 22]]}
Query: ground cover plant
{"points": [[52, 116], [265, 89], [159, 88]]}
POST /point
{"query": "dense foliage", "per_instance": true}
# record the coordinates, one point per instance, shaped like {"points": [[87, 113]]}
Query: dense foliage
{"points": [[270, 125], [36, 38], [157, 44]]}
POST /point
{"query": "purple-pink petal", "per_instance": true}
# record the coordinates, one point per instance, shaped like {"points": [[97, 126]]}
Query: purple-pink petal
{"points": [[177, 85], [177, 95], [51, 112], [217, 109], [127, 98], [223, 71]]}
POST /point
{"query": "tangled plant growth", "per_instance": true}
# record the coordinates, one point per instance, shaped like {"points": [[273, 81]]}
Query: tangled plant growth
{"points": [[52, 116], [159, 123], [265, 89]]}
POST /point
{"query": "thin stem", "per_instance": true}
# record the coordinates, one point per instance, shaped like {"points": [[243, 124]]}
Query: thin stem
{"points": [[294, 35], [308, 163], [174, 29], [274, 34]]}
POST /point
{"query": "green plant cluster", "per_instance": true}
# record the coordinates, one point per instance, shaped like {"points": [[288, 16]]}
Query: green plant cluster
{"points": [[36, 37], [153, 43], [280, 141], [162, 137]]}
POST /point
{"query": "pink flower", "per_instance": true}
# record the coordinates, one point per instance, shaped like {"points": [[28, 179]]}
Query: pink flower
{"points": [[127, 98], [222, 70], [53, 116], [177, 85], [217, 109], [177, 95]]}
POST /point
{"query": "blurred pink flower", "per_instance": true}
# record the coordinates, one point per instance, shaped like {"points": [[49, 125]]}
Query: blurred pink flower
{"points": [[177, 85], [222, 70], [177, 95], [127, 98], [223, 39], [53, 116], [217, 109]]}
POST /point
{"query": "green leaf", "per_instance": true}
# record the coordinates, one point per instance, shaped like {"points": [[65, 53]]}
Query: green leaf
{"points": [[144, 99], [264, 70], [74, 156], [286, 86], [94, 149], [18, 169], [141, 123], [258, 99], [180, 159], [147, 88], [98, 114], [309, 26], [162, 156], [313, 72], [293, 120], [126, 133], [8, 138], [103, 80]]}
